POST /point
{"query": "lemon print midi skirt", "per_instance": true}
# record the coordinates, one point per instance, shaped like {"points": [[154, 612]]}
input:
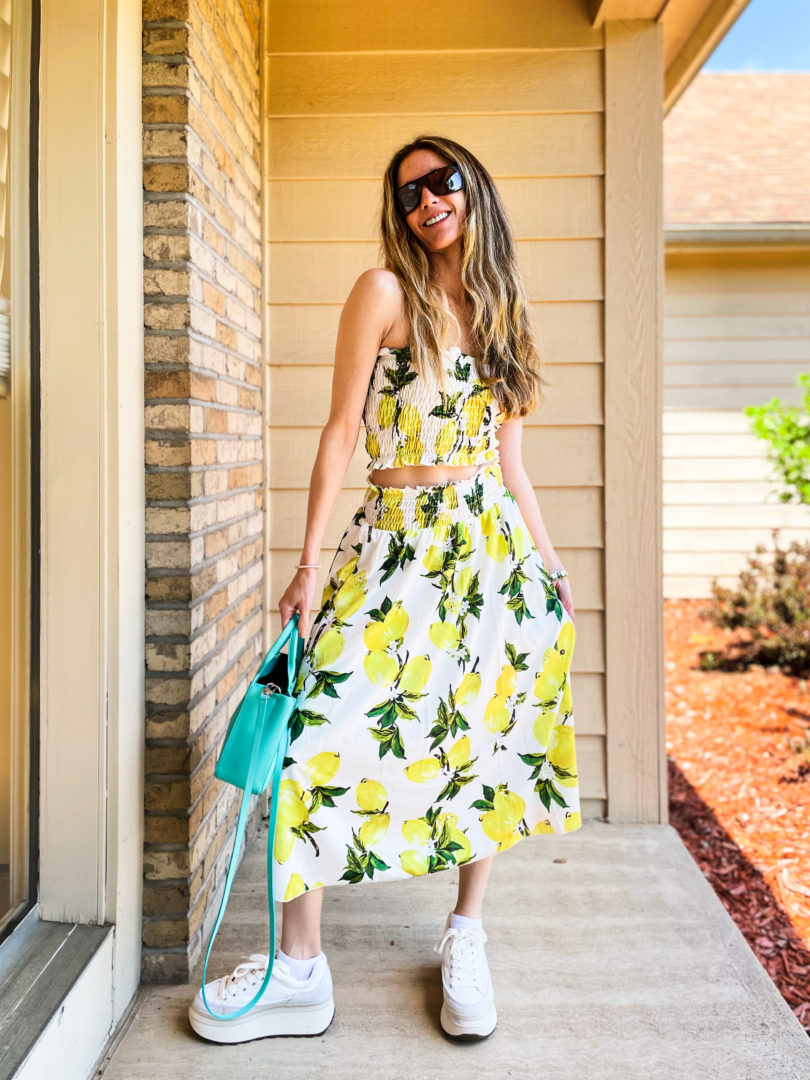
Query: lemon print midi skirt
{"points": [[434, 722]]}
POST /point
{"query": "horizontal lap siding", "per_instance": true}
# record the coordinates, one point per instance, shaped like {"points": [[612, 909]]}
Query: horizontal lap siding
{"points": [[522, 86], [736, 333]]}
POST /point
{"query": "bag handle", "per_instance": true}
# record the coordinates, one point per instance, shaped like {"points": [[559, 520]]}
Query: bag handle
{"points": [[294, 654], [278, 764]]}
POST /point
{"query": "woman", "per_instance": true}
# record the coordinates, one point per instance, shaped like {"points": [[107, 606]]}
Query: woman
{"points": [[435, 721]]}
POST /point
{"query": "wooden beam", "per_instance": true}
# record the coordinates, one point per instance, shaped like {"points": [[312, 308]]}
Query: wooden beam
{"points": [[602, 10], [634, 271]]}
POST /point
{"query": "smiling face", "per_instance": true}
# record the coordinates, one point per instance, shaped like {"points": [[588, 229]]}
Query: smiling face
{"points": [[448, 209]]}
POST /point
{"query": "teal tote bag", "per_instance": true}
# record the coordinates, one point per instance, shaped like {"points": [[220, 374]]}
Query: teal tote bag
{"points": [[252, 756]]}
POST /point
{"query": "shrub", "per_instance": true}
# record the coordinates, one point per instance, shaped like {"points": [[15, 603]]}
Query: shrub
{"points": [[786, 430], [772, 601]]}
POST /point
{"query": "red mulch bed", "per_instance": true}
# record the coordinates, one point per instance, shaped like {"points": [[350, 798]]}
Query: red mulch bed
{"points": [[738, 747]]}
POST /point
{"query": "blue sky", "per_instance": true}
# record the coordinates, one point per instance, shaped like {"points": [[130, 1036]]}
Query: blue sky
{"points": [[770, 35]]}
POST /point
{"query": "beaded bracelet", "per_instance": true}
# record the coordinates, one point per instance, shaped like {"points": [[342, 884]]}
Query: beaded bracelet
{"points": [[556, 574]]}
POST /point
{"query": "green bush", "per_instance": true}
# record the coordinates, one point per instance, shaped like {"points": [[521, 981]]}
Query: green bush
{"points": [[772, 601], [786, 429]]}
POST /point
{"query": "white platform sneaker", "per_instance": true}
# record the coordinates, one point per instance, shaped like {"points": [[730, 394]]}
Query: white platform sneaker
{"points": [[468, 1011], [288, 1006]]}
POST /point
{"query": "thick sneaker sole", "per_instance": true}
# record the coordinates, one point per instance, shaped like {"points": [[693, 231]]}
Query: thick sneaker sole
{"points": [[263, 1021], [463, 1028]]}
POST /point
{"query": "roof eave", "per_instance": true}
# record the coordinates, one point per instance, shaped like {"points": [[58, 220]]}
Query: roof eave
{"points": [[737, 236]]}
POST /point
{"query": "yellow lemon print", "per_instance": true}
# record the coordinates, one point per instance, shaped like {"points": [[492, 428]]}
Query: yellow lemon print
{"points": [[542, 827], [380, 667], [519, 541], [548, 682], [386, 410], [414, 862], [506, 683], [446, 438], [348, 568], [497, 547], [292, 812], [409, 419], [433, 559], [372, 445], [411, 452], [543, 723], [416, 831], [328, 647], [461, 581], [373, 830], [469, 688], [572, 821], [459, 752], [509, 804], [566, 703], [295, 887], [444, 635], [465, 547], [416, 674], [422, 770], [391, 518], [561, 748], [350, 596], [328, 589], [489, 520], [370, 795], [379, 635], [465, 851], [496, 714], [473, 413], [500, 823], [322, 767]]}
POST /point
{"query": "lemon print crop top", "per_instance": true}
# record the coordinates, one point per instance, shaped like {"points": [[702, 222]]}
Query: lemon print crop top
{"points": [[409, 422]]}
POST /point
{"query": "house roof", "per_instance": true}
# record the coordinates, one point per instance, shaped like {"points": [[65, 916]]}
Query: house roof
{"points": [[737, 150]]}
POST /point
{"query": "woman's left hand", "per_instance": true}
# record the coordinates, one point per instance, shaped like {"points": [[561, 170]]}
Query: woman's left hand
{"points": [[563, 588]]}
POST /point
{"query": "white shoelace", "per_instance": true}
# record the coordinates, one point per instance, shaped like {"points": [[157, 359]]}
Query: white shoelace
{"points": [[465, 953], [248, 973]]}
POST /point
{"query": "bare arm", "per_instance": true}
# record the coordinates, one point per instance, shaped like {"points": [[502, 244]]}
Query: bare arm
{"points": [[515, 478], [364, 322]]}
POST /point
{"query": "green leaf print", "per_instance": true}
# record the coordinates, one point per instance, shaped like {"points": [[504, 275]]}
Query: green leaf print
{"points": [[475, 501], [449, 720], [389, 738], [325, 683], [325, 796], [449, 407], [516, 659], [302, 718], [360, 862], [545, 788], [400, 552]]}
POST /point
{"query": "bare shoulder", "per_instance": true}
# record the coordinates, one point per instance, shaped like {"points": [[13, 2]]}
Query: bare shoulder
{"points": [[373, 306], [377, 286]]}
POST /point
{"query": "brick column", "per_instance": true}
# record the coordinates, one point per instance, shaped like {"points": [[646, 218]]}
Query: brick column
{"points": [[203, 454]]}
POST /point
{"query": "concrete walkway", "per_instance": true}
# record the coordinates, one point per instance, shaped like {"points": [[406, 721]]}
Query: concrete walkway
{"points": [[617, 962]]}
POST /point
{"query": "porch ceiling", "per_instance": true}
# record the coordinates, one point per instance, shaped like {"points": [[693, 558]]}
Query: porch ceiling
{"points": [[692, 30]]}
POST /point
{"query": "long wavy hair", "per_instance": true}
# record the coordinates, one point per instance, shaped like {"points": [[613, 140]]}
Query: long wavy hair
{"points": [[503, 337]]}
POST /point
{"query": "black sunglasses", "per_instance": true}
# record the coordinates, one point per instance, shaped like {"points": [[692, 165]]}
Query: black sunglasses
{"points": [[440, 181]]}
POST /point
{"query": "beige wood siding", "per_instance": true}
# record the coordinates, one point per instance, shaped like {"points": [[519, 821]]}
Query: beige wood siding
{"points": [[521, 85], [737, 333]]}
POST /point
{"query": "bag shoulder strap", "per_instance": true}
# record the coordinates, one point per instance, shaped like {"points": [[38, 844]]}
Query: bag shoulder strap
{"points": [[237, 844]]}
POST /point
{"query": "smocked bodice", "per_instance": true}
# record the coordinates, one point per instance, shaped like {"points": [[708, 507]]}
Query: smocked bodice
{"points": [[409, 422]]}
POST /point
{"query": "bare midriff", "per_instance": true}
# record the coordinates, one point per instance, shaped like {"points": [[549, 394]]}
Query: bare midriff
{"points": [[421, 475]]}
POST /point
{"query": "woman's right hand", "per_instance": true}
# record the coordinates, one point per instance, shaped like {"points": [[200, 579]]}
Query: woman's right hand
{"points": [[299, 596]]}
